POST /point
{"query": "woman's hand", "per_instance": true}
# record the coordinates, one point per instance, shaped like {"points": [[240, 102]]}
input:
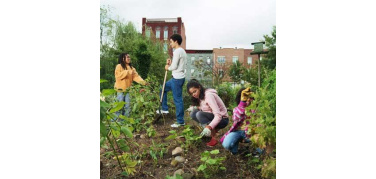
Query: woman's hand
{"points": [[206, 132]]}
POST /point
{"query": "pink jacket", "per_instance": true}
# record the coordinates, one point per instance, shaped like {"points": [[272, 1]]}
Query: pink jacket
{"points": [[213, 104], [238, 117]]}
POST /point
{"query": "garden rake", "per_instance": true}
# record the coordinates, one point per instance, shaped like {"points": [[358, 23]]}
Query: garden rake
{"points": [[160, 101]]}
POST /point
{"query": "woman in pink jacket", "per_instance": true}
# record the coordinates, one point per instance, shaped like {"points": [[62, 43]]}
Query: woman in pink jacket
{"points": [[210, 110]]}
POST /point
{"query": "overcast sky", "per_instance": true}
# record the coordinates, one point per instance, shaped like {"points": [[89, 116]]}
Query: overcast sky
{"points": [[208, 23]]}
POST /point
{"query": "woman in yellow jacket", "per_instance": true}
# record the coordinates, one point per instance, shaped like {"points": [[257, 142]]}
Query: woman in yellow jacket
{"points": [[125, 74]]}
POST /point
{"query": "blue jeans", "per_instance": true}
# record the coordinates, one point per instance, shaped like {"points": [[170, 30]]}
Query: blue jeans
{"points": [[176, 86], [232, 140], [121, 97]]}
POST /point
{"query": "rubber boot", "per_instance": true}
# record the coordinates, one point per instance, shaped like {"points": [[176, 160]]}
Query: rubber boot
{"points": [[213, 141]]}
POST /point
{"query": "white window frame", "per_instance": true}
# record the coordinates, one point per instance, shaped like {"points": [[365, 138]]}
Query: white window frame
{"points": [[234, 59], [158, 32], [175, 30], [249, 59], [221, 59], [147, 33], [165, 33]]}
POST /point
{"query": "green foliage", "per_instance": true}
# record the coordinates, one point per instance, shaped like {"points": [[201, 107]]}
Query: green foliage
{"points": [[144, 59], [269, 168], [151, 131], [118, 37], [226, 93], [211, 163], [156, 150], [128, 163], [270, 42], [144, 103], [263, 123], [236, 72], [191, 139], [172, 136], [251, 76]]}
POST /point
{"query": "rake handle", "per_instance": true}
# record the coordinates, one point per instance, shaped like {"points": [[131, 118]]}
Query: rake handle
{"points": [[164, 83]]}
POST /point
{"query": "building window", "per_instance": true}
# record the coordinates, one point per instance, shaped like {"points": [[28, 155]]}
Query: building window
{"points": [[221, 59], [192, 60], [165, 34], [249, 61], [165, 47], [175, 30], [147, 33], [235, 59], [158, 32]]}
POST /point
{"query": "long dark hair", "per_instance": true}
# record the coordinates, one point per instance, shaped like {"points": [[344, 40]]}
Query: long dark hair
{"points": [[196, 84], [122, 62]]}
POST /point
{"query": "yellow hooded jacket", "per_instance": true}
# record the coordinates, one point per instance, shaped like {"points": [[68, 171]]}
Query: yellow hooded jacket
{"points": [[124, 78]]}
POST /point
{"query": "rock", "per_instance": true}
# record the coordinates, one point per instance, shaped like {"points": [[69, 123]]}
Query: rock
{"points": [[180, 159], [195, 171], [179, 172], [174, 162], [142, 136], [181, 138], [187, 175], [177, 150]]}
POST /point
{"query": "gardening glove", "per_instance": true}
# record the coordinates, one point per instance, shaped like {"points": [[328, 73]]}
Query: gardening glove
{"points": [[206, 132], [245, 94]]}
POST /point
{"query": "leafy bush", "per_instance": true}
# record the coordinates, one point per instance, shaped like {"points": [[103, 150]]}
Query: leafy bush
{"points": [[263, 123], [190, 138], [226, 93], [118, 37], [211, 163]]}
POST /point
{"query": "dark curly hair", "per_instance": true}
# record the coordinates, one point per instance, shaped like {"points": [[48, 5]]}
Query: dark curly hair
{"points": [[121, 61], [194, 83]]}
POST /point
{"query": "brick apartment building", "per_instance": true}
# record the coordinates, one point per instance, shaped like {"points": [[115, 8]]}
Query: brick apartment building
{"points": [[198, 73], [162, 29], [224, 57]]}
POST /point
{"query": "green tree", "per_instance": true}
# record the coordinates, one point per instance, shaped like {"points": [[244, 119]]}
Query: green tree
{"points": [[250, 75], [270, 42], [119, 37], [236, 72], [144, 59]]}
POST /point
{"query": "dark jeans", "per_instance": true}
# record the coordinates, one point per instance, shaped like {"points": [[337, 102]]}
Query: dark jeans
{"points": [[206, 118]]}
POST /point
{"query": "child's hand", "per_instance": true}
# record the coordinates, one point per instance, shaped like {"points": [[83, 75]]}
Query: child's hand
{"points": [[245, 94]]}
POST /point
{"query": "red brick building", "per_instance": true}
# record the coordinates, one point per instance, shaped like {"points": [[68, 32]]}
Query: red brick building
{"points": [[162, 29], [224, 57]]}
